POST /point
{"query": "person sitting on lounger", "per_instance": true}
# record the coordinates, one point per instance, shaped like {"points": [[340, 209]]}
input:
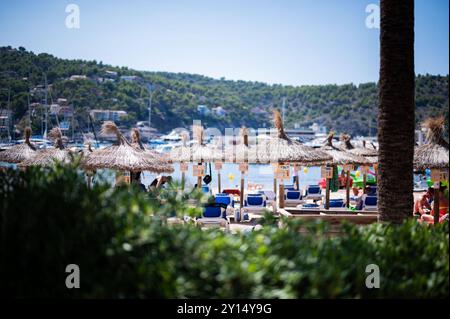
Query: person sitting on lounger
{"points": [[423, 205], [360, 203], [136, 180], [160, 181], [443, 208], [357, 199]]}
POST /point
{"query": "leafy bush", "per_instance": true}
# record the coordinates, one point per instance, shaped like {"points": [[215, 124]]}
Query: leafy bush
{"points": [[124, 248]]}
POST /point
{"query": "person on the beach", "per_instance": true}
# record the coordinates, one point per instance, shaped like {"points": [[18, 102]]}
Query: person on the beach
{"points": [[423, 205], [160, 181], [136, 180], [356, 198], [360, 204], [443, 208]]}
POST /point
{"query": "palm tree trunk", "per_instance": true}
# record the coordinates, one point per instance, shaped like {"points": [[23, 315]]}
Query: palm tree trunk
{"points": [[396, 110]]}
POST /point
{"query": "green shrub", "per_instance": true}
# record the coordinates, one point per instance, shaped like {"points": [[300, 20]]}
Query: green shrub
{"points": [[118, 237]]}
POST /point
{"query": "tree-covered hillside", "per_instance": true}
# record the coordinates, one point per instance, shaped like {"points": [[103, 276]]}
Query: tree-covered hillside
{"points": [[176, 96]]}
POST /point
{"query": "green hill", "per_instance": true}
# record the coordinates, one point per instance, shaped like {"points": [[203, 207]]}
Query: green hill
{"points": [[344, 108]]}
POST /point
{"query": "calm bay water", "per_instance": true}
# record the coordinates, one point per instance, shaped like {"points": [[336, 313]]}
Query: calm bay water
{"points": [[258, 174]]}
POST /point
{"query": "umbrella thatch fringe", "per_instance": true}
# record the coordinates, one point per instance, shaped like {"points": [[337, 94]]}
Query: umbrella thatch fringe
{"points": [[282, 149], [122, 155], [370, 154], [48, 157], [161, 160], [196, 153], [341, 157], [19, 153]]}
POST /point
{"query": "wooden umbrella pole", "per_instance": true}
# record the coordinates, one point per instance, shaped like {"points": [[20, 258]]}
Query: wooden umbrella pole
{"points": [[281, 196], [241, 197], [297, 181], [89, 181], [183, 180], [199, 179], [219, 186], [275, 186], [436, 202], [327, 194], [364, 181], [347, 190]]}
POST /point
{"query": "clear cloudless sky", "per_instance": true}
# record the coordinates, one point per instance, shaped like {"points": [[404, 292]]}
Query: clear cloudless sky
{"points": [[275, 41]]}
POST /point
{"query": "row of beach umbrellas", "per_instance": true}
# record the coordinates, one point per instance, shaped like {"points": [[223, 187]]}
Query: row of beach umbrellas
{"points": [[280, 149], [122, 155]]}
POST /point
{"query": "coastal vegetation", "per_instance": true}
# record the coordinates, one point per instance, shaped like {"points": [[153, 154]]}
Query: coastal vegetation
{"points": [[176, 96], [118, 237]]}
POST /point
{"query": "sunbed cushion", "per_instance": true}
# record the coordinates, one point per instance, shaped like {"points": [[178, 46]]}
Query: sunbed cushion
{"points": [[293, 195], [255, 200], [224, 200], [371, 201], [212, 211], [336, 203], [313, 189], [205, 189]]}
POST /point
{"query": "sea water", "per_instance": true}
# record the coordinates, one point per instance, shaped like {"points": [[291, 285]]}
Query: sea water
{"points": [[261, 174]]}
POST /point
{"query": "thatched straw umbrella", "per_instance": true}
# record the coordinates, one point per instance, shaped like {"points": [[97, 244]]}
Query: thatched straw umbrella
{"points": [[340, 157], [21, 152], [243, 154], [370, 154], [161, 160], [433, 155], [122, 155], [282, 149], [48, 157], [196, 153]]}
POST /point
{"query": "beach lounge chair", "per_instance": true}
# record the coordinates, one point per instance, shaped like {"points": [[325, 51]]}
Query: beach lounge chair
{"points": [[370, 203], [215, 215], [271, 198], [227, 200], [254, 203], [336, 204], [232, 191], [372, 191], [206, 189], [289, 187], [308, 206], [314, 192], [293, 198]]}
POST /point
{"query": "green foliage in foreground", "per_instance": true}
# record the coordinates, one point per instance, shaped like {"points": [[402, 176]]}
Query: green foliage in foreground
{"points": [[124, 248]]}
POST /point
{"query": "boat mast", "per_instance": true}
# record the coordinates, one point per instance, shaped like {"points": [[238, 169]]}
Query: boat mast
{"points": [[149, 86], [44, 134]]}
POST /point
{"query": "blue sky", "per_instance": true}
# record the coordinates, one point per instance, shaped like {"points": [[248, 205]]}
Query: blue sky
{"points": [[275, 41]]}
